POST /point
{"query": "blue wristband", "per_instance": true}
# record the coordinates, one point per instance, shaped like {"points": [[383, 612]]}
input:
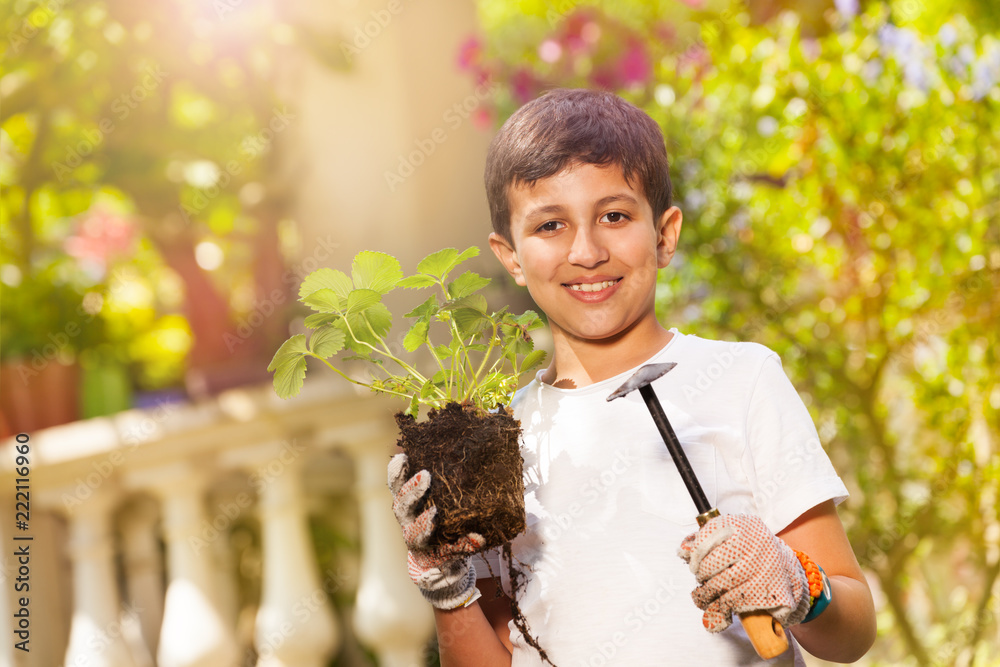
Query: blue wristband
{"points": [[821, 602]]}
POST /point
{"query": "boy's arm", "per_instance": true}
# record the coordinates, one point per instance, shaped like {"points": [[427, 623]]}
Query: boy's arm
{"points": [[476, 635], [496, 606], [846, 629]]}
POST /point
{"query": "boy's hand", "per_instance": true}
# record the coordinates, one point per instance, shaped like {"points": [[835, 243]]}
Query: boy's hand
{"points": [[444, 573], [742, 566]]}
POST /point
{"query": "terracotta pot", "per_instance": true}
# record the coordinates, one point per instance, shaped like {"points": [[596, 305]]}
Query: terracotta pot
{"points": [[34, 397]]}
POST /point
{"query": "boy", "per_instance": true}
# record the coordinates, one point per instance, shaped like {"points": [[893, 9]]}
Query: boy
{"points": [[580, 200]]}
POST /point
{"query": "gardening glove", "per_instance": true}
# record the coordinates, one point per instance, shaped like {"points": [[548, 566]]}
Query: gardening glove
{"points": [[444, 574], [742, 566]]}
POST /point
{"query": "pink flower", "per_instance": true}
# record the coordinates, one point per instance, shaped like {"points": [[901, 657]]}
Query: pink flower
{"points": [[524, 85], [581, 32], [634, 67], [469, 53], [100, 235], [482, 117]]}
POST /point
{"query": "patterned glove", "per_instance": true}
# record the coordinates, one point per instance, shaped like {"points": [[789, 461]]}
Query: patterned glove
{"points": [[742, 566], [444, 574]]}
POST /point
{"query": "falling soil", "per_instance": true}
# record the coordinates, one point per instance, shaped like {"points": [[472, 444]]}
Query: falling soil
{"points": [[474, 458]]}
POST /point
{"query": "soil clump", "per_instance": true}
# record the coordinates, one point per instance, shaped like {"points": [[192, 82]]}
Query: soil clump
{"points": [[474, 458]]}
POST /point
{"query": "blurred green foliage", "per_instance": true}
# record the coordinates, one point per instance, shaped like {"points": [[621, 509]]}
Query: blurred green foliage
{"points": [[162, 116], [841, 192]]}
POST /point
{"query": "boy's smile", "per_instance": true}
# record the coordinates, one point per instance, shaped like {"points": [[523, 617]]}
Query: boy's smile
{"points": [[586, 246]]}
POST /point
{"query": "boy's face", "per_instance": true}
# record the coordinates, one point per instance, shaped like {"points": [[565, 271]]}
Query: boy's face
{"points": [[586, 246]]}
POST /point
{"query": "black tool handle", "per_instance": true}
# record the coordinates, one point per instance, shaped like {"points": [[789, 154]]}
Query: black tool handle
{"points": [[674, 447]]}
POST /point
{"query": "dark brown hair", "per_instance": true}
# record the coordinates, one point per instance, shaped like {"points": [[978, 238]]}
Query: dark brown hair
{"points": [[568, 125]]}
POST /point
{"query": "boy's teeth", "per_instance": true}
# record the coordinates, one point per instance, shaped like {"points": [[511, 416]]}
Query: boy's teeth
{"points": [[592, 287]]}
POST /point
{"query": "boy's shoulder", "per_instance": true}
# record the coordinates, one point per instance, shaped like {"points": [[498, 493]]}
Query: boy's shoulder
{"points": [[746, 351]]}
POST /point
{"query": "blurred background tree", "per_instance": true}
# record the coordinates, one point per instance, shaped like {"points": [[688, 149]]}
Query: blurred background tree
{"points": [[840, 179], [182, 170]]}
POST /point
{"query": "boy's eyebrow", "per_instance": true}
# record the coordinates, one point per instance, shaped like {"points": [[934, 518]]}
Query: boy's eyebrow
{"points": [[603, 201]]}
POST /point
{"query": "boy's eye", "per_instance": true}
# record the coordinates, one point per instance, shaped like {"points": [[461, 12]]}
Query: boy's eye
{"points": [[549, 226], [615, 216]]}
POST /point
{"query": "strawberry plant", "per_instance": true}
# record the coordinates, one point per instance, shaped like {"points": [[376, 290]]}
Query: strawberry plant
{"points": [[478, 358], [470, 440]]}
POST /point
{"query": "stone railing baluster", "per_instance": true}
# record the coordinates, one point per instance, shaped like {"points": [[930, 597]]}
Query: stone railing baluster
{"points": [[390, 615]]}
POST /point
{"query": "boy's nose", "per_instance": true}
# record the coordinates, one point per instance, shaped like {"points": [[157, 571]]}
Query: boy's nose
{"points": [[587, 250]]}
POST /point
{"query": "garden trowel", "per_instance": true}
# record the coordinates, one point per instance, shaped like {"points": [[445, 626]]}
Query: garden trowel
{"points": [[765, 633]]}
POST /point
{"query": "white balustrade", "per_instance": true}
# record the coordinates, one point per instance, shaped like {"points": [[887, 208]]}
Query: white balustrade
{"points": [[143, 565], [95, 638], [193, 632], [295, 624], [390, 615], [166, 473]]}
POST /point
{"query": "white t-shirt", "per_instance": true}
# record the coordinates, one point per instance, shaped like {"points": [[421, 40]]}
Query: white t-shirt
{"points": [[607, 510]]}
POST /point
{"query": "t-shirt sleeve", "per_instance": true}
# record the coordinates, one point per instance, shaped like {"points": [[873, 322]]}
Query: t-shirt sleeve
{"points": [[482, 562], [788, 468]]}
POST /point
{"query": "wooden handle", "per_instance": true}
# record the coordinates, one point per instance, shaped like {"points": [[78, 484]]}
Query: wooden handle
{"points": [[765, 633]]}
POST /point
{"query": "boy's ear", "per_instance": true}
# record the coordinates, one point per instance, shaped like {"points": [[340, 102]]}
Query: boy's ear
{"points": [[508, 257], [668, 231]]}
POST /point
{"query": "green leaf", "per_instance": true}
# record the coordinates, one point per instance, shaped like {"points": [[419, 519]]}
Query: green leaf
{"points": [[426, 310], [530, 319], [289, 377], [316, 320], [468, 253], [469, 321], [440, 263], [327, 342], [414, 408], [360, 300], [473, 301], [419, 280], [380, 319], [291, 348], [289, 366], [376, 271], [532, 359], [326, 279], [522, 345], [324, 300], [466, 284], [442, 351], [428, 388], [492, 382], [416, 336]]}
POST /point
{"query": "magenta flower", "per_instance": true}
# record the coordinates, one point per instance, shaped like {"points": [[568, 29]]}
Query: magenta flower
{"points": [[524, 85], [469, 53], [634, 67]]}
